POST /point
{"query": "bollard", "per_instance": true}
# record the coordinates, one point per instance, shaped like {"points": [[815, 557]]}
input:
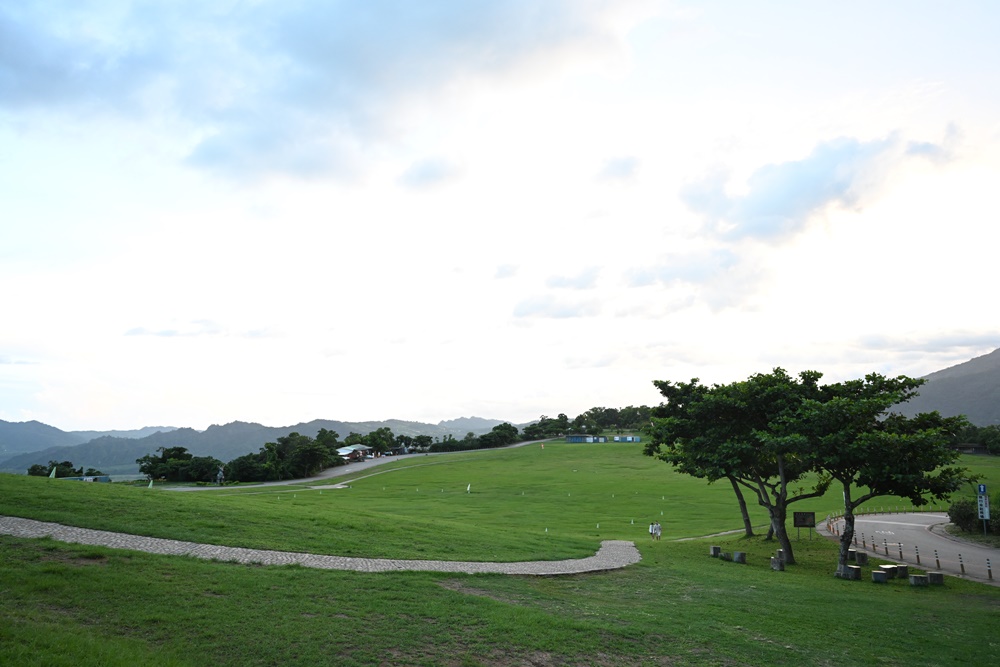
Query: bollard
{"points": [[900, 551], [989, 569], [961, 564], [855, 539], [885, 546], [937, 560], [917, 550], [863, 545]]}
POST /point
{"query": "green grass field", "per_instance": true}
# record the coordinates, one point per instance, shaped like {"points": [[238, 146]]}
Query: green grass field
{"points": [[66, 604]]}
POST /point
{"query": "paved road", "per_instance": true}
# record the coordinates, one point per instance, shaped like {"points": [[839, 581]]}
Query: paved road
{"points": [[921, 534]]}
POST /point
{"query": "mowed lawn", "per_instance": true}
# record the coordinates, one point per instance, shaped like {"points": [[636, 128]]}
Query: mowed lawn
{"points": [[65, 604]]}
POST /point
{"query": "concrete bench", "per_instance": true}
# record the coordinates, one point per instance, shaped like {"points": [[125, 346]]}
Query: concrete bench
{"points": [[936, 578], [861, 558], [879, 577], [902, 571], [919, 580], [890, 571], [714, 551], [740, 557]]}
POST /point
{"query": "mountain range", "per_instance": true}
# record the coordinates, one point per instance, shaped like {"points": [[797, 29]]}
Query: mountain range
{"points": [[971, 388], [23, 444]]}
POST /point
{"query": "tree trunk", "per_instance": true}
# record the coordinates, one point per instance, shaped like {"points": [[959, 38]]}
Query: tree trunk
{"points": [[747, 527], [778, 525], [847, 536]]}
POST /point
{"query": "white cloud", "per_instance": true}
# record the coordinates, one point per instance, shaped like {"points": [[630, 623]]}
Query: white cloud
{"points": [[585, 279], [619, 169], [551, 307], [781, 199]]}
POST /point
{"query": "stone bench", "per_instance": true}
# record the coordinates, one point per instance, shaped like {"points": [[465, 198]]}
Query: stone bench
{"points": [[714, 551], [861, 558], [879, 577], [777, 564], [890, 571], [919, 580], [852, 572], [936, 578], [902, 571]]}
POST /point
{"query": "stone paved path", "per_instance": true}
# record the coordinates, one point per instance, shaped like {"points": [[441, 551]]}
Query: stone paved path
{"points": [[612, 555]]}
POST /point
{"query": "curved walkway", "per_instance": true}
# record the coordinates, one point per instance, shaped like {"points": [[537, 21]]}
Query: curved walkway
{"points": [[612, 555]]}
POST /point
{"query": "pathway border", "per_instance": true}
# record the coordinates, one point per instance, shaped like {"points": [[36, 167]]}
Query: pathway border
{"points": [[613, 554]]}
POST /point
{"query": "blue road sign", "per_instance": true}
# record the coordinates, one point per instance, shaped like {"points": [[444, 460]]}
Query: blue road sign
{"points": [[982, 489]]}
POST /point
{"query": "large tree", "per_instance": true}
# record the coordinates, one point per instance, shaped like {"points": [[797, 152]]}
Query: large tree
{"points": [[851, 435], [739, 431], [674, 427]]}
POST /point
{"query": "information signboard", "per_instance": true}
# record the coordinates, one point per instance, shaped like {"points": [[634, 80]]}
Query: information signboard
{"points": [[984, 508], [804, 519]]}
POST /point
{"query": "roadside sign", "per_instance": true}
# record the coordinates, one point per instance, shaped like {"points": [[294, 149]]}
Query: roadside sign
{"points": [[984, 507], [982, 489]]}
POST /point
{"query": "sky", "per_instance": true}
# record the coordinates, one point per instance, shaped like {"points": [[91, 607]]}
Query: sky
{"points": [[284, 211]]}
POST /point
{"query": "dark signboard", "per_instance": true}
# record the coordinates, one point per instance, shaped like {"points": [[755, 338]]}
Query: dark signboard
{"points": [[804, 519]]}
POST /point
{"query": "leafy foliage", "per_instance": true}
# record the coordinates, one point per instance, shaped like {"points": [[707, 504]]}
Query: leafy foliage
{"points": [[769, 431], [63, 469], [965, 514]]}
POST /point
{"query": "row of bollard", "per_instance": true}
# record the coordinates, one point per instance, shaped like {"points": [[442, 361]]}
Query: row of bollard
{"points": [[916, 550]]}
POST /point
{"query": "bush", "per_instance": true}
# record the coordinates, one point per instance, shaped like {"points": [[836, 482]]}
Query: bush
{"points": [[965, 514]]}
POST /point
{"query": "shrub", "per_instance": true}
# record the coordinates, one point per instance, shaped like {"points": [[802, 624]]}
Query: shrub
{"points": [[965, 514]]}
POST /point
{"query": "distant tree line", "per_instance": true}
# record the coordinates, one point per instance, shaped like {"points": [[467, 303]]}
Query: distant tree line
{"points": [[595, 421], [984, 436], [296, 456], [63, 469], [501, 436]]}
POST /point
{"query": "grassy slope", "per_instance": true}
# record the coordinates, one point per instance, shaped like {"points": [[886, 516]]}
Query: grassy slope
{"points": [[86, 605]]}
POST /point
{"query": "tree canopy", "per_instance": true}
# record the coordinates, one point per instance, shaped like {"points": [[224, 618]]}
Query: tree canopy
{"points": [[773, 430]]}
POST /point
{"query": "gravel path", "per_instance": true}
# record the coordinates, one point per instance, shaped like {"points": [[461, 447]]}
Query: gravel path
{"points": [[612, 555]]}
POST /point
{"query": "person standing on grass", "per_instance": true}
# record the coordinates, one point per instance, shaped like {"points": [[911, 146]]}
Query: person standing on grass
{"points": [[657, 530], [652, 531]]}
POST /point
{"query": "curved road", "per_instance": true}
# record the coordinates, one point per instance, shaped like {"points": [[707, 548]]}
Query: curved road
{"points": [[922, 534]]}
